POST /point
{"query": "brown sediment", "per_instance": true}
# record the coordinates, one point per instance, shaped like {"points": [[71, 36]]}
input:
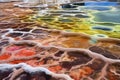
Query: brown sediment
{"points": [[84, 61], [112, 40], [12, 15], [76, 62], [103, 52], [48, 37], [110, 46], [14, 25]]}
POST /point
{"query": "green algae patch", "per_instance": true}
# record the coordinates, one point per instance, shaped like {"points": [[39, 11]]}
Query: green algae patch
{"points": [[91, 22]]}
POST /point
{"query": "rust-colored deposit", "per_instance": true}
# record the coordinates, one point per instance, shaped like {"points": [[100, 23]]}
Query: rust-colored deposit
{"points": [[29, 52]]}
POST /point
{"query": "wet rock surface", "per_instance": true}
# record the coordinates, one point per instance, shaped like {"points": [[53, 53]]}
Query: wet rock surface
{"points": [[30, 52]]}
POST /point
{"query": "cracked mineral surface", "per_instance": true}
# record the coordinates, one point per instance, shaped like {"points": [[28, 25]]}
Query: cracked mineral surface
{"points": [[29, 51]]}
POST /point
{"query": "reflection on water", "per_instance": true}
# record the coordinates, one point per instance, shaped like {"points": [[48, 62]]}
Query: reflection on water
{"points": [[99, 8]]}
